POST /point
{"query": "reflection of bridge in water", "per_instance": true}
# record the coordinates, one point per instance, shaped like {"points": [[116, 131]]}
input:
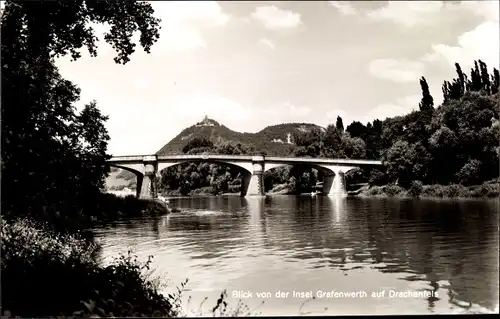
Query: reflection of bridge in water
{"points": [[147, 168], [417, 245]]}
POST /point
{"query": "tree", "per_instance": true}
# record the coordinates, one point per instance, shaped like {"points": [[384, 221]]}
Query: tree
{"points": [[52, 157], [495, 81], [331, 142], [339, 124], [197, 143], [353, 147], [403, 163], [485, 77], [469, 173], [475, 83], [427, 102], [357, 129]]}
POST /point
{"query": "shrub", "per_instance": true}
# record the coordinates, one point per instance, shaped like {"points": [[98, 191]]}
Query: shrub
{"points": [[435, 190], [374, 191], [393, 190], [377, 178], [280, 188], [234, 188], [208, 190], [455, 190], [485, 190], [416, 189]]}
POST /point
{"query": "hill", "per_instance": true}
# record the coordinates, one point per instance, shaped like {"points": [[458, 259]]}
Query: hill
{"points": [[273, 140]]}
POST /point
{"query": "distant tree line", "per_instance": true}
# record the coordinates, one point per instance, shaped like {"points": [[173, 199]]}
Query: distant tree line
{"points": [[457, 142]]}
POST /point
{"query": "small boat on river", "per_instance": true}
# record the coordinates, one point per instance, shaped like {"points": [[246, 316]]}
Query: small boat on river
{"points": [[165, 201]]}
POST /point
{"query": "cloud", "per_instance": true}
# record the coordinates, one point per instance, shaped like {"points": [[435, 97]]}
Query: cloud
{"points": [[480, 43], [408, 13], [183, 22], [274, 18], [344, 7], [181, 27], [396, 70], [268, 43], [196, 13], [415, 13], [399, 107], [486, 9]]}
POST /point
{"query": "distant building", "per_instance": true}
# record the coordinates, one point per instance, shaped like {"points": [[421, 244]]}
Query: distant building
{"points": [[206, 122]]}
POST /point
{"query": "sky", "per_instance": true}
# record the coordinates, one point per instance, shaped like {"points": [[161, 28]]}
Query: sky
{"points": [[248, 65]]}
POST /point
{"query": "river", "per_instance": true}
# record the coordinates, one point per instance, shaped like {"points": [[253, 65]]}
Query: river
{"points": [[400, 256]]}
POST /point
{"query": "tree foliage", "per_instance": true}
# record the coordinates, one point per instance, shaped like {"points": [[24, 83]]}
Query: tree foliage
{"points": [[339, 124], [53, 157], [427, 103]]}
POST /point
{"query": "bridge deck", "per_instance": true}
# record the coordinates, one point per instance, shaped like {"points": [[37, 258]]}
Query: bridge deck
{"points": [[271, 159]]}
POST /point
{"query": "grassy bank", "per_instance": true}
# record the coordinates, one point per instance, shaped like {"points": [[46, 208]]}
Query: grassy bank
{"points": [[490, 189]]}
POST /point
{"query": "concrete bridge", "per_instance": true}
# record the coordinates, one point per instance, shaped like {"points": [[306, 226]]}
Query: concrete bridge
{"points": [[148, 167]]}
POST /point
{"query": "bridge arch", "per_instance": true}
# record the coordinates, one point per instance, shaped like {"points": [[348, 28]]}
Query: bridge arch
{"points": [[136, 169], [326, 169], [245, 168], [329, 173]]}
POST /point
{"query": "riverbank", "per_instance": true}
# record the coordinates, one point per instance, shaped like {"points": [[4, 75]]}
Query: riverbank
{"points": [[489, 189], [111, 208]]}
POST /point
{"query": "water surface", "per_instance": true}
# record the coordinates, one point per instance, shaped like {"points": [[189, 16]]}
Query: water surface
{"points": [[442, 254]]}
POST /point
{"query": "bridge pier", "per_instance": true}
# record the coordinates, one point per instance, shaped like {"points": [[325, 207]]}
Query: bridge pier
{"points": [[334, 181], [147, 186], [327, 182], [330, 187], [253, 185]]}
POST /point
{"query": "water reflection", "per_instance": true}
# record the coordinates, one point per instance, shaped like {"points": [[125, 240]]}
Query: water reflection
{"points": [[372, 244]]}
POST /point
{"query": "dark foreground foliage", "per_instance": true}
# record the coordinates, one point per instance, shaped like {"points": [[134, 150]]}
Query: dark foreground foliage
{"points": [[48, 274]]}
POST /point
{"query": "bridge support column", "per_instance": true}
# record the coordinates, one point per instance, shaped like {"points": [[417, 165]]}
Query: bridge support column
{"points": [[334, 184], [138, 186], [327, 182], [253, 185], [147, 186]]}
